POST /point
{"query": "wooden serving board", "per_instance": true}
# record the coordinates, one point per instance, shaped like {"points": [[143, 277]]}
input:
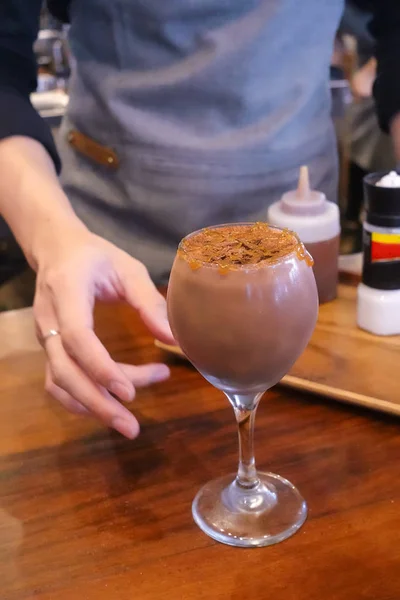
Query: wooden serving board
{"points": [[345, 363]]}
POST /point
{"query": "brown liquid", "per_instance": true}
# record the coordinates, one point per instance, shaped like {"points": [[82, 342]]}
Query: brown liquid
{"points": [[242, 327], [325, 255]]}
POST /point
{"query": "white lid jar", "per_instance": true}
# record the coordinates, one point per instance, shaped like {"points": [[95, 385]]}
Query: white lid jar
{"points": [[307, 212]]}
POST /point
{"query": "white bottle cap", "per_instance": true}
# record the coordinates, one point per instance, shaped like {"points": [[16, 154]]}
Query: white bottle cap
{"points": [[307, 212], [378, 311]]}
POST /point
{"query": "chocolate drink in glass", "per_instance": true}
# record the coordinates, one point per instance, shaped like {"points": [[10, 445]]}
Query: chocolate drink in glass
{"points": [[242, 304]]}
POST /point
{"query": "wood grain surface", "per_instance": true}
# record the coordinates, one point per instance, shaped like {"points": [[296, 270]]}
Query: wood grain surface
{"points": [[347, 363], [88, 515]]}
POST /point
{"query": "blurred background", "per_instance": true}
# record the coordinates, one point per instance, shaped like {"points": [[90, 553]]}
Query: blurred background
{"points": [[362, 146]]}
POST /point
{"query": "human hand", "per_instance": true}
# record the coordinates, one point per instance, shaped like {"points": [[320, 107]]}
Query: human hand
{"points": [[74, 269], [363, 80]]}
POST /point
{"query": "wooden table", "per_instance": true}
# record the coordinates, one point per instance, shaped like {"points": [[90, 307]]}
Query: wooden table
{"points": [[88, 515]]}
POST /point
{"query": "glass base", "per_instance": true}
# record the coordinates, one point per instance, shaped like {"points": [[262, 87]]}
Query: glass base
{"points": [[262, 516]]}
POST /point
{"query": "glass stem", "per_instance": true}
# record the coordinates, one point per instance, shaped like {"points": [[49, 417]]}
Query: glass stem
{"points": [[245, 412]]}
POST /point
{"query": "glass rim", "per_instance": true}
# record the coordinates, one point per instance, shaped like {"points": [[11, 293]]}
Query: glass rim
{"points": [[250, 266]]}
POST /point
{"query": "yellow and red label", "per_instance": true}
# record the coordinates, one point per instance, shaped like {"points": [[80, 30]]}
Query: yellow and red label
{"points": [[385, 246]]}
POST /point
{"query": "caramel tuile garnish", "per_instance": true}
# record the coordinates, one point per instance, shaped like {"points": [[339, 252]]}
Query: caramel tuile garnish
{"points": [[303, 254], [232, 246]]}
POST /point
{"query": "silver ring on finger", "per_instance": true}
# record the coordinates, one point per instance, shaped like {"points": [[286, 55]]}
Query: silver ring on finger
{"points": [[51, 333]]}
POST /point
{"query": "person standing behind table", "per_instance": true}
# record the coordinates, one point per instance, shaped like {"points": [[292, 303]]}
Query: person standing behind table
{"points": [[370, 148], [182, 114]]}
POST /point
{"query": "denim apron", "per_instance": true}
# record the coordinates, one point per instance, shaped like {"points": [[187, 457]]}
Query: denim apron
{"points": [[209, 107]]}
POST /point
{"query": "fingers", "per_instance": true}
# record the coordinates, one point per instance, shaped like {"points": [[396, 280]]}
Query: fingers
{"points": [[140, 376], [72, 386], [87, 350], [146, 375], [77, 387], [63, 397], [141, 293], [74, 313]]}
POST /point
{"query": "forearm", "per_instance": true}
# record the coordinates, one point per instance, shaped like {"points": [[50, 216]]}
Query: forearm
{"points": [[31, 199]]}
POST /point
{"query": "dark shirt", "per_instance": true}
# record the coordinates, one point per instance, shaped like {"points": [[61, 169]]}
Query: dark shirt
{"points": [[19, 24]]}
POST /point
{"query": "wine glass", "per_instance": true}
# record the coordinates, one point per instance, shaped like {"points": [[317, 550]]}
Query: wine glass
{"points": [[243, 325]]}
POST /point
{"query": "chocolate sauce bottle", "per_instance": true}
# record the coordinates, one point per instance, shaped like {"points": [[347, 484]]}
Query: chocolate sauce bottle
{"points": [[316, 221]]}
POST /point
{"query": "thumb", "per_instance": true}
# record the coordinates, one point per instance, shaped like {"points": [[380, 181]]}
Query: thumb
{"points": [[141, 293]]}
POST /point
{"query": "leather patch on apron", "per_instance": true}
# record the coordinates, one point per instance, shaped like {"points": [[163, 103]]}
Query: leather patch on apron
{"points": [[102, 155]]}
